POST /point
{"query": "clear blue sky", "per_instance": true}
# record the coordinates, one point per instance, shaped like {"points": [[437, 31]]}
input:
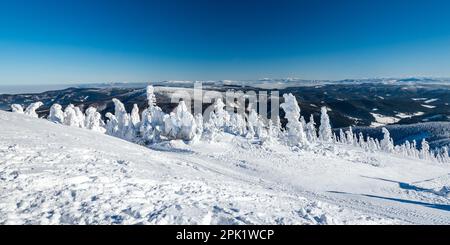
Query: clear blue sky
{"points": [[72, 41]]}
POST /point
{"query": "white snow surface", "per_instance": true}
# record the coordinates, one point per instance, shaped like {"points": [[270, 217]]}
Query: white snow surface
{"points": [[55, 174]]}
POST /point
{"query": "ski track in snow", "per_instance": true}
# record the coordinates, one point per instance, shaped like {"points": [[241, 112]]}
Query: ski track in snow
{"points": [[54, 174]]}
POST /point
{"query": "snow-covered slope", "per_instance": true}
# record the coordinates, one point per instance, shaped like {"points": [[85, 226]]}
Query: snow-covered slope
{"points": [[54, 174]]}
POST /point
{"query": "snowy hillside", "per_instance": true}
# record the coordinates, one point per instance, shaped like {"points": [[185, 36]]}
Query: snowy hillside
{"points": [[55, 174]]}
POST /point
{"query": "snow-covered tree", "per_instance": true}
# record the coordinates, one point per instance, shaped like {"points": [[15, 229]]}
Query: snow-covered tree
{"points": [[218, 121], [180, 124], [261, 129], [325, 133], [342, 137], [303, 122], [93, 120], [237, 125], [295, 132], [274, 130], [335, 138], [17, 108], [253, 124], [372, 145], [199, 130], [31, 109], [152, 120], [124, 124], [112, 125], [135, 117], [349, 134], [56, 114], [377, 144], [219, 117], [425, 150], [361, 141], [70, 116], [80, 117], [151, 97], [407, 148], [444, 156], [414, 150], [355, 140], [311, 133], [386, 143]]}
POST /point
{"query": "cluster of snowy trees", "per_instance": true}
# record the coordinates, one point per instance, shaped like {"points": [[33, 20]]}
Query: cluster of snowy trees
{"points": [[71, 116], [153, 126], [407, 149]]}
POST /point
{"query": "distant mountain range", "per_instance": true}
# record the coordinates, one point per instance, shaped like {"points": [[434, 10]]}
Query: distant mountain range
{"points": [[265, 83]]}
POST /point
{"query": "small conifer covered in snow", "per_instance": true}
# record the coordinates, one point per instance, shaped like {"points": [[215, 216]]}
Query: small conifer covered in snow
{"points": [[16, 108], [325, 133], [93, 120], [56, 114], [217, 122], [152, 120], [180, 124], [311, 132], [71, 118], [425, 150], [386, 144], [31, 109], [295, 131]]}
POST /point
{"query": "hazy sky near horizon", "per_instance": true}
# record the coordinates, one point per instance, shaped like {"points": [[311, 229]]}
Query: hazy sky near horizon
{"points": [[80, 41]]}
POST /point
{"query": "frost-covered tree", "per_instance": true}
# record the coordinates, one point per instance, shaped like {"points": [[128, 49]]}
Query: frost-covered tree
{"points": [[73, 116], [377, 144], [56, 114], [271, 135], [253, 124], [349, 135], [274, 130], [361, 141], [261, 130], [386, 143], [311, 133], [17, 108], [372, 145], [407, 148], [93, 120], [325, 133], [80, 117], [135, 117], [217, 121], [402, 149], [335, 138], [237, 125], [219, 117], [342, 137], [151, 97], [414, 150], [124, 124], [425, 150], [152, 120], [303, 122], [180, 124], [199, 129], [355, 140], [444, 156], [112, 125], [31, 109], [295, 132], [70, 116]]}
